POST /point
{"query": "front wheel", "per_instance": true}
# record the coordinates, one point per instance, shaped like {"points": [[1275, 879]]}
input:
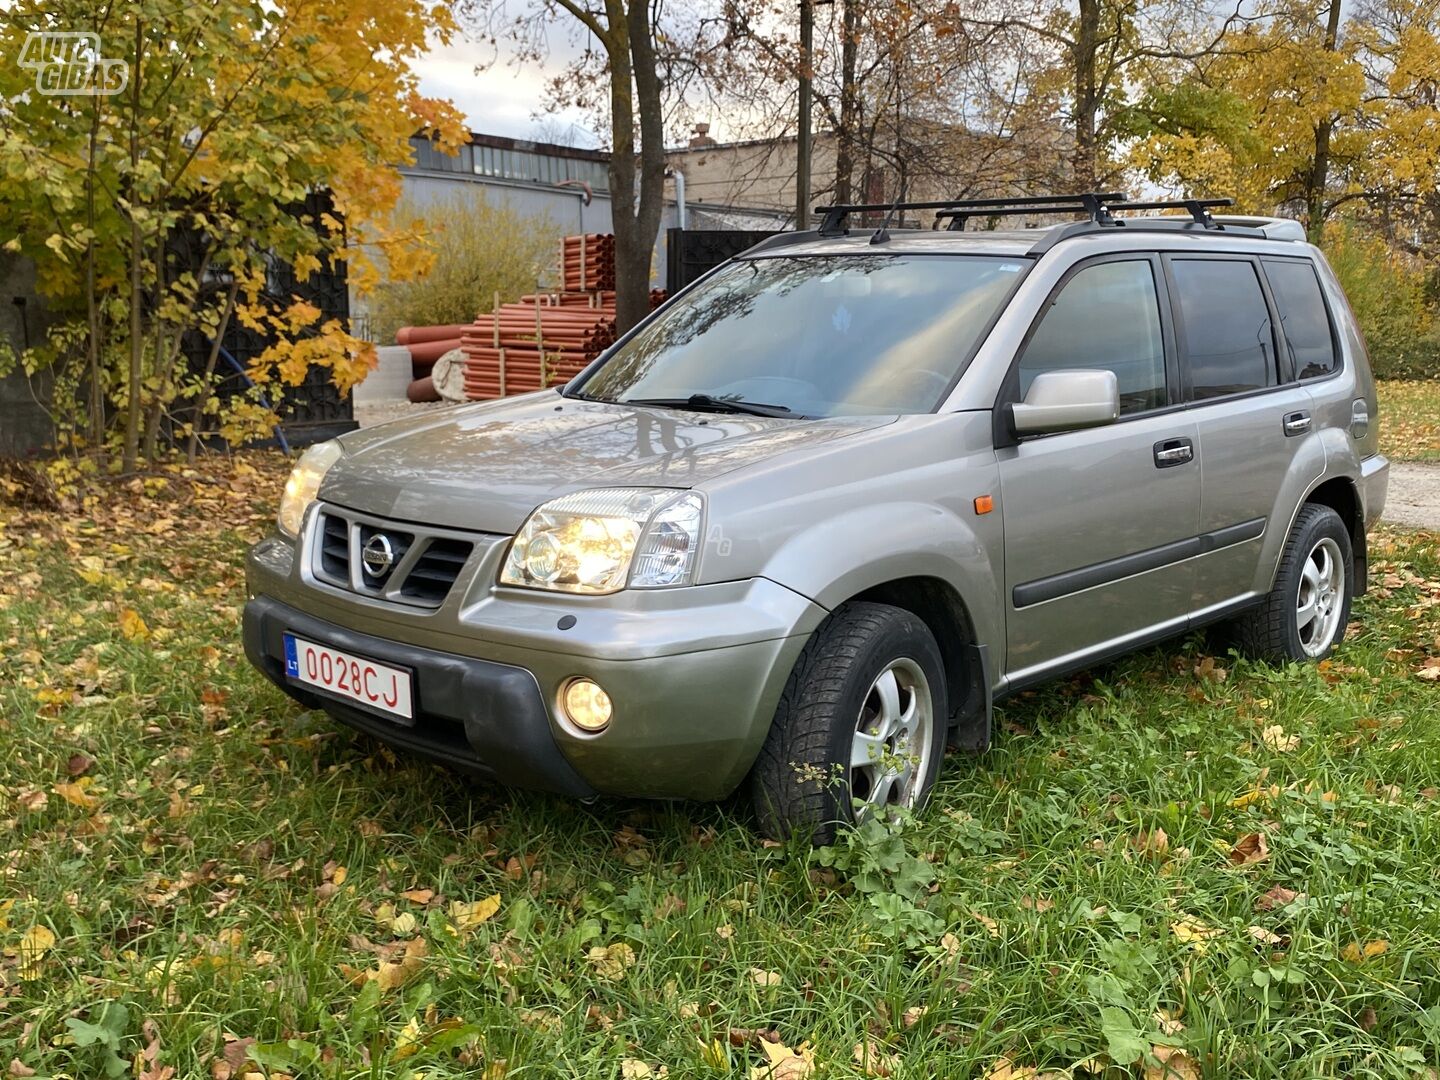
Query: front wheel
{"points": [[1305, 612], [860, 728]]}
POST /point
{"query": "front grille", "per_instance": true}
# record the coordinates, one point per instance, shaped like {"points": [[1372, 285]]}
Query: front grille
{"points": [[410, 566]]}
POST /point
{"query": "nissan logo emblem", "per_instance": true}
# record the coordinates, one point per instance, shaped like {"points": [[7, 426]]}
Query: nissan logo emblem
{"points": [[378, 555]]}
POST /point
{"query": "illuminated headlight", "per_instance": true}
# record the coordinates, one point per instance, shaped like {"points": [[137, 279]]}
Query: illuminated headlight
{"points": [[304, 484], [603, 540]]}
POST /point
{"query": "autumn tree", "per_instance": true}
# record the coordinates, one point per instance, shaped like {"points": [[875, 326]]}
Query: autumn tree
{"points": [[157, 212], [1309, 113], [622, 58]]}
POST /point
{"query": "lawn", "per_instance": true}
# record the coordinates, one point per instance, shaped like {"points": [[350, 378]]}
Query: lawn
{"points": [[1182, 857], [1410, 420]]}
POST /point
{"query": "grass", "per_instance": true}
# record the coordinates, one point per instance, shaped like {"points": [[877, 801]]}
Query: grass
{"points": [[1410, 420], [189, 862]]}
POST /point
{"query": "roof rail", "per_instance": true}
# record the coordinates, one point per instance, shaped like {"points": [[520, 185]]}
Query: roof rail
{"points": [[1093, 204]]}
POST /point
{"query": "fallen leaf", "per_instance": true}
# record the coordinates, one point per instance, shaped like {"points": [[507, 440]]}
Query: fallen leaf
{"points": [[419, 896], [76, 794], [1275, 738], [1173, 1064], [783, 1063], [1153, 844], [1249, 849], [1357, 953], [875, 1061], [762, 978], [1036, 904], [991, 926], [133, 626], [1189, 930], [467, 917], [1264, 936], [1277, 897], [1167, 1024], [635, 1069], [611, 961], [38, 941]]}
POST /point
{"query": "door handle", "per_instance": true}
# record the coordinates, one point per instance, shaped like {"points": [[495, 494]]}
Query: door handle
{"points": [[1172, 452], [1296, 423]]}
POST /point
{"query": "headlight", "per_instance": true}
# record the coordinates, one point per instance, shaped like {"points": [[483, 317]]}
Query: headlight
{"points": [[304, 484], [599, 541]]}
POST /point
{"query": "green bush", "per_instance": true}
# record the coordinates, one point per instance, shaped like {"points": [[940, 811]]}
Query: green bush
{"points": [[1387, 292], [480, 249]]}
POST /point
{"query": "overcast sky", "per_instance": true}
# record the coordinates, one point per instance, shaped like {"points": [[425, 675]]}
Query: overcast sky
{"points": [[503, 98]]}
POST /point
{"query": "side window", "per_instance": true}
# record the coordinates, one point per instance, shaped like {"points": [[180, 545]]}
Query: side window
{"points": [[1227, 337], [1303, 317], [1106, 316]]}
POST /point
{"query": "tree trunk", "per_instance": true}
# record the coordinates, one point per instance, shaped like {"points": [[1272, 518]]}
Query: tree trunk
{"points": [[1319, 178], [1083, 164], [631, 264], [849, 102], [137, 259], [636, 303]]}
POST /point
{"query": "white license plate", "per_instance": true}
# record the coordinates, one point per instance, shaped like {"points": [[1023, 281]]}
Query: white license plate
{"points": [[368, 682]]}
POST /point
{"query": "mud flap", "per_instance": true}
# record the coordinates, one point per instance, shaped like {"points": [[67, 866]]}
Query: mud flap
{"points": [[970, 724]]}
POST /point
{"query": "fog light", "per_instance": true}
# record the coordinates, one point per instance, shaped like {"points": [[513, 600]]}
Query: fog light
{"points": [[586, 705]]}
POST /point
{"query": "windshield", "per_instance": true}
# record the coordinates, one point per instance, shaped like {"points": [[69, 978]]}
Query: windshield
{"points": [[815, 336]]}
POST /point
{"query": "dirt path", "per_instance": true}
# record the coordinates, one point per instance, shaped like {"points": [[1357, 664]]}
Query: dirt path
{"points": [[1414, 497]]}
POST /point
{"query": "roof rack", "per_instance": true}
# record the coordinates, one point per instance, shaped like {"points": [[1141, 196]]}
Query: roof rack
{"points": [[1099, 207]]}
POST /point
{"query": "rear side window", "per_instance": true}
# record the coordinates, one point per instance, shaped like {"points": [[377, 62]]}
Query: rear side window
{"points": [[1303, 317], [1106, 316], [1227, 336]]}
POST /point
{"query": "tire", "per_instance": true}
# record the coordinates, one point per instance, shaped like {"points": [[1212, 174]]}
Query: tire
{"points": [[1317, 555], [801, 783]]}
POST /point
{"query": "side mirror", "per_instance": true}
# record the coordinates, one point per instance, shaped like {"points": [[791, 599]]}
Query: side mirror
{"points": [[1067, 400]]}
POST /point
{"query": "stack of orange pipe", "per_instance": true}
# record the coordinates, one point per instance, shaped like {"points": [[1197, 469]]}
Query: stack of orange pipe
{"points": [[544, 339], [587, 263]]}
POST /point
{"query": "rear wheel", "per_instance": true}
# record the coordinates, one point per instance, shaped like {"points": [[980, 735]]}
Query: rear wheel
{"points": [[860, 728], [1305, 612]]}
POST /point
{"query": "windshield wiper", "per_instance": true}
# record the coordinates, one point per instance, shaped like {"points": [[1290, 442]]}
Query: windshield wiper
{"points": [[710, 403]]}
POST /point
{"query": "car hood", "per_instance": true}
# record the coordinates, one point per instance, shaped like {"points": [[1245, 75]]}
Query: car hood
{"points": [[486, 467]]}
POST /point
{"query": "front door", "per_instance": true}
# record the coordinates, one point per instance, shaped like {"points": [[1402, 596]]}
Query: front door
{"points": [[1100, 524]]}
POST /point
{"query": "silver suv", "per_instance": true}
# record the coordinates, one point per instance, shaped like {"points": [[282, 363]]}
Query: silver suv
{"points": [[819, 512]]}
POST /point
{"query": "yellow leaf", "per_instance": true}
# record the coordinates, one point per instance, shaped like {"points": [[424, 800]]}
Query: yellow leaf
{"points": [[468, 916], [1191, 931], [76, 794], [1357, 953], [408, 1041], [132, 625], [714, 1054], [338, 876], [764, 979], [611, 961], [38, 941], [784, 1063], [1275, 738]]}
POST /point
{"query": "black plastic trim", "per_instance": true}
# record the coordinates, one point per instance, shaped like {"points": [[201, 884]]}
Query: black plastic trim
{"points": [[477, 716], [1139, 562]]}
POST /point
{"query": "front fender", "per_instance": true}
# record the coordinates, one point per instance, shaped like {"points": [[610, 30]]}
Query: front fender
{"points": [[842, 556]]}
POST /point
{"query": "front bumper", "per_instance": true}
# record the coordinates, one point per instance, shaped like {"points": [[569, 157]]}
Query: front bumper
{"points": [[695, 674]]}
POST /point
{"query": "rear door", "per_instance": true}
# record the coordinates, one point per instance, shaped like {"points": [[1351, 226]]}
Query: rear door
{"points": [[1251, 412], [1099, 524]]}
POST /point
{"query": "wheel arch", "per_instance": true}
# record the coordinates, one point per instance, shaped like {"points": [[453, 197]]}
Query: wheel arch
{"points": [[939, 605], [1341, 494]]}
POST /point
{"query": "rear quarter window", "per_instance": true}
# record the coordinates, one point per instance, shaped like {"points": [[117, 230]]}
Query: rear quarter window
{"points": [[1304, 318], [1229, 345]]}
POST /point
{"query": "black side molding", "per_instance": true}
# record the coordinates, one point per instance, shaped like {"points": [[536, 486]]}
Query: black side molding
{"points": [[1140, 562]]}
